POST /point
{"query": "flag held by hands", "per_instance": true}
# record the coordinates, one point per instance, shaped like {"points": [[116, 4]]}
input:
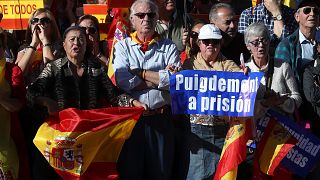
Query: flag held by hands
{"points": [[86, 143]]}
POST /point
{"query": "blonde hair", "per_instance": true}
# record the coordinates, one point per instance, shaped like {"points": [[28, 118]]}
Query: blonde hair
{"points": [[55, 34]]}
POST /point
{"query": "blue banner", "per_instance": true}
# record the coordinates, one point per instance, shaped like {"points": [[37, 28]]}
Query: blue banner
{"points": [[214, 92], [305, 154]]}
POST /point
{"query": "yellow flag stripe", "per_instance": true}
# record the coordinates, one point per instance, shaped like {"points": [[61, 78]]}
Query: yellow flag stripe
{"points": [[231, 175], [271, 150]]}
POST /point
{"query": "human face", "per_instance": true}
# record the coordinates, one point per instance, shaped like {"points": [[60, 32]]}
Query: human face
{"points": [[259, 47], [225, 21], [194, 35], [91, 32], [144, 20], [308, 17], [41, 20], [167, 5], [209, 48], [75, 44]]}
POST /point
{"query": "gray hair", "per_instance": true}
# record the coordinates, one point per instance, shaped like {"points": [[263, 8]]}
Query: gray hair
{"points": [[214, 10], [153, 6], [256, 29]]}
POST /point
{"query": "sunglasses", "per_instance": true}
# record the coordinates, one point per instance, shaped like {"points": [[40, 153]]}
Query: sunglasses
{"points": [[194, 35], [142, 15], [256, 43], [307, 10], [42, 21], [211, 41], [90, 30]]}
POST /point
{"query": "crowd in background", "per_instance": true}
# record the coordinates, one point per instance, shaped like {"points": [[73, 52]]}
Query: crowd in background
{"points": [[60, 62]]}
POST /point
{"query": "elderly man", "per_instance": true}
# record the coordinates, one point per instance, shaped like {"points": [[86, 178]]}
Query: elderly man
{"points": [[143, 63], [299, 49], [277, 17], [223, 16]]}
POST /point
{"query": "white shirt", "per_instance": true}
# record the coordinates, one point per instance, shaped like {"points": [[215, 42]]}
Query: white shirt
{"points": [[306, 48]]}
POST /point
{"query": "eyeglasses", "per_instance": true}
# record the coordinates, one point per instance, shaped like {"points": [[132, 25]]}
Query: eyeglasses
{"points": [[42, 21], [194, 35], [90, 30], [211, 41], [142, 15], [307, 10], [256, 43]]}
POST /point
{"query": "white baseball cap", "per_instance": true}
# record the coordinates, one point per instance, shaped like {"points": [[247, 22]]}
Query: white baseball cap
{"points": [[209, 31]]}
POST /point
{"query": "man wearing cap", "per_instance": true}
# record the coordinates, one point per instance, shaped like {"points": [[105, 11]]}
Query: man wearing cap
{"points": [[207, 132], [143, 63], [276, 16], [299, 50]]}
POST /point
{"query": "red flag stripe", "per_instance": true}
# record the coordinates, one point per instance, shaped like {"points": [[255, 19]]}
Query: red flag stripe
{"points": [[14, 24], [95, 9], [283, 151], [92, 120]]}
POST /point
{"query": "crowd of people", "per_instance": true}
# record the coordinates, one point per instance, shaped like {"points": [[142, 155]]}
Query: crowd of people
{"points": [[62, 63]]}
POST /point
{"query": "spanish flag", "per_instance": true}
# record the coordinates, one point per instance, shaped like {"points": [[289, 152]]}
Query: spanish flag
{"points": [[274, 145], [235, 149], [118, 31], [81, 144]]}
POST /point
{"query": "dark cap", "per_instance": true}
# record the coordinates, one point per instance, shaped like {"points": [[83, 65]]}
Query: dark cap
{"points": [[304, 3]]}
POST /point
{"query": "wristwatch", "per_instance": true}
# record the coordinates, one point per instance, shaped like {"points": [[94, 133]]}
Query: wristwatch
{"points": [[278, 17]]}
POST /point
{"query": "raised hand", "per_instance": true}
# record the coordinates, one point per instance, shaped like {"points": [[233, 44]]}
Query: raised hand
{"points": [[274, 6]]}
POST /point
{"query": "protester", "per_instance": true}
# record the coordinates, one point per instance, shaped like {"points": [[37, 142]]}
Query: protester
{"points": [[277, 17], [91, 25], [299, 50], [207, 132], [223, 16], [43, 44], [74, 81], [171, 23], [142, 66], [13, 155], [278, 89]]}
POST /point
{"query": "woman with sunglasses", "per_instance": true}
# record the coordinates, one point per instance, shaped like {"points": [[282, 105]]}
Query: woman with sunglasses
{"points": [[43, 44], [278, 90], [207, 132], [90, 25]]}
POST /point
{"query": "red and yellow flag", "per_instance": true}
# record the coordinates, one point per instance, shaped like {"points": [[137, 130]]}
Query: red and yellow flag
{"points": [[235, 149], [119, 30], [86, 143], [275, 143]]}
